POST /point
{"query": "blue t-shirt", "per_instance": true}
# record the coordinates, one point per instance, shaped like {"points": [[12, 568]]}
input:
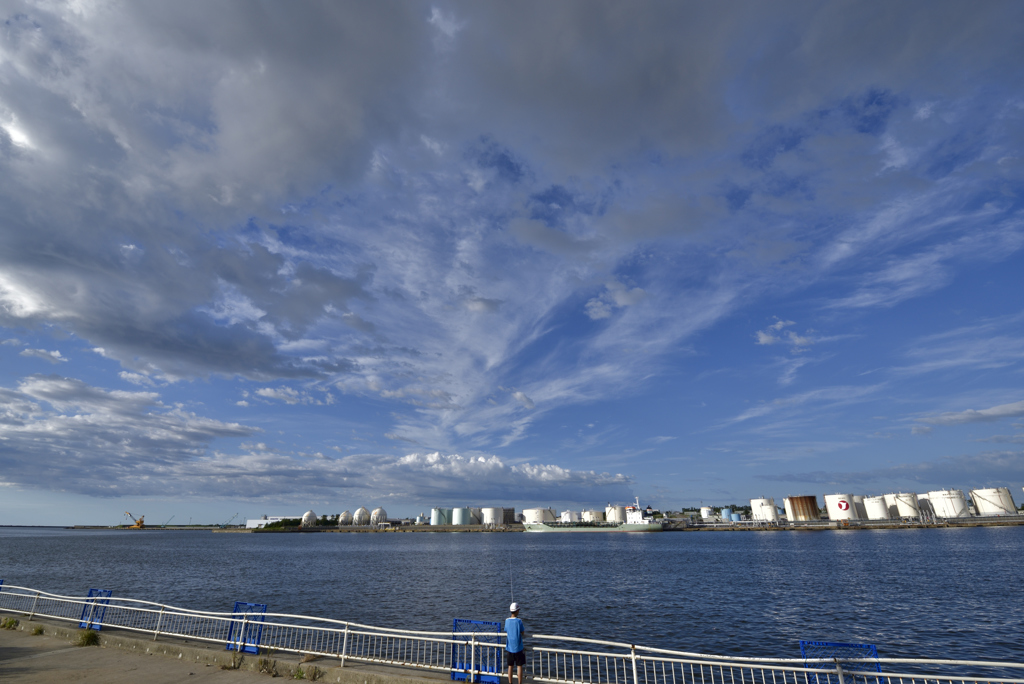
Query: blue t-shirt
{"points": [[514, 632]]}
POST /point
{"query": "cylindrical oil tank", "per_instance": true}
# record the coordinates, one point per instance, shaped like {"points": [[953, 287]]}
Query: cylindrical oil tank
{"points": [[538, 515], [344, 519], [990, 501], [361, 516], [378, 516], [615, 513], [706, 512], [924, 505], [460, 516], [875, 508], [725, 514], [890, 502], [421, 519], [476, 515], [858, 504], [570, 516], [906, 505], [308, 519], [593, 516], [840, 507], [802, 508], [735, 517], [764, 510], [491, 516]]}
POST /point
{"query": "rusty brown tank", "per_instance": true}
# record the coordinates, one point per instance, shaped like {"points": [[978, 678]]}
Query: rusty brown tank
{"points": [[802, 508]]}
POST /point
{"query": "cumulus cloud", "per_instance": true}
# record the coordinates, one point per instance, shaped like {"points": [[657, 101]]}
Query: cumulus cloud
{"points": [[48, 356], [615, 296], [523, 399], [988, 415]]}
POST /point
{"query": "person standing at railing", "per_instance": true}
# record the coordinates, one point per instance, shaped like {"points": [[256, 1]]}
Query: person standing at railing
{"points": [[515, 653]]}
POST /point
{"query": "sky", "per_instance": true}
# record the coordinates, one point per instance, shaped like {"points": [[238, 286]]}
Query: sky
{"points": [[265, 257]]}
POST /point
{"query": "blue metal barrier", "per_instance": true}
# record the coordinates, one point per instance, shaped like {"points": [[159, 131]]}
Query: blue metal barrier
{"points": [[834, 650], [480, 660], [93, 611], [250, 628]]}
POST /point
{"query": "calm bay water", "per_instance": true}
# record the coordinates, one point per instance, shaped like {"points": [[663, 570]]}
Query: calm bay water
{"points": [[920, 593]]}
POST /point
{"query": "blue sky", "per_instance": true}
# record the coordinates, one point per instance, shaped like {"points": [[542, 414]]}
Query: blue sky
{"points": [[265, 257]]}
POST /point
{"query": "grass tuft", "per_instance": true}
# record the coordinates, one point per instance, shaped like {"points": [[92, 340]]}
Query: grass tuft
{"points": [[267, 666], [37, 630], [9, 623], [88, 637]]}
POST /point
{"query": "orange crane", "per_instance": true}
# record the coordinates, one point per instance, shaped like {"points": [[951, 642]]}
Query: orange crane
{"points": [[139, 524]]}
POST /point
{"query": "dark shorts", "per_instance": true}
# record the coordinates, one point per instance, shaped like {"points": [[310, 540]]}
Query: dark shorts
{"points": [[515, 658]]}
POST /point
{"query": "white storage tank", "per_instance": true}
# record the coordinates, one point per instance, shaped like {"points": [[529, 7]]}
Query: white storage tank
{"points": [[924, 505], [378, 516], [593, 516], [949, 503], [764, 510], [308, 519], [840, 507], [801, 508], [361, 516], [538, 515], [906, 505], [461, 516], [992, 501], [876, 508], [492, 516], [440, 516], [570, 516], [706, 512], [615, 513], [476, 516], [344, 519], [858, 504]]}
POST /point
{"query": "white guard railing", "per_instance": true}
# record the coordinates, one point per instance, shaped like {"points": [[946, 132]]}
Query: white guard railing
{"points": [[555, 659]]}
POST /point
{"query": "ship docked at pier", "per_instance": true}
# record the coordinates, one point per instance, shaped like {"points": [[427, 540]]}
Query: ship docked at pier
{"points": [[630, 518]]}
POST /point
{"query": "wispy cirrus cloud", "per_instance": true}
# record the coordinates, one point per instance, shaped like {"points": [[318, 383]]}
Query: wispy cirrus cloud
{"points": [[988, 415]]}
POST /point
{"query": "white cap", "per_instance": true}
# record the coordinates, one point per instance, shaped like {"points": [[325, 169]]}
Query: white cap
{"points": [[514, 608]]}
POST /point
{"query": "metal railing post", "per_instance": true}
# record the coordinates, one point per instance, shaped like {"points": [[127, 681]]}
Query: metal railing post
{"points": [[472, 658], [632, 652], [241, 634], [92, 609], [839, 671], [159, 621], [34, 602], [344, 646]]}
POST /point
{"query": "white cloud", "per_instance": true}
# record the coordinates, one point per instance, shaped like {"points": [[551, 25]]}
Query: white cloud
{"points": [[48, 356], [523, 399], [615, 296], [137, 379], [988, 415], [285, 394]]}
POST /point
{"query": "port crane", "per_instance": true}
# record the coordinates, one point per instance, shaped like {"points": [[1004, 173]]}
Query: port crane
{"points": [[168, 521], [229, 520], [138, 524]]}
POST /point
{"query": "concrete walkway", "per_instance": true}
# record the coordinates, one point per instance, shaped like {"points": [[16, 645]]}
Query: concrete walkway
{"points": [[125, 657]]}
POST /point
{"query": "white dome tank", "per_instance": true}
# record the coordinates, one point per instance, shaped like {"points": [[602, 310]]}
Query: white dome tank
{"points": [[308, 519], [906, 505], [538, 515], [344, 519], [764, 510], [593, 516], [476, 516], [858, 504], [570, 516], [361, 517], [876, 508], [378, 516], [993, 501], [840, 507], [492, 516], [460, 516], [706, 512], [615, 513]]}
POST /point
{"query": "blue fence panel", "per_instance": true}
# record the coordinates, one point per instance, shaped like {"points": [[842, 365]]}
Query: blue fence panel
{"points": [[93, 611], [483, 660], [247, 638], [829, 649]]}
